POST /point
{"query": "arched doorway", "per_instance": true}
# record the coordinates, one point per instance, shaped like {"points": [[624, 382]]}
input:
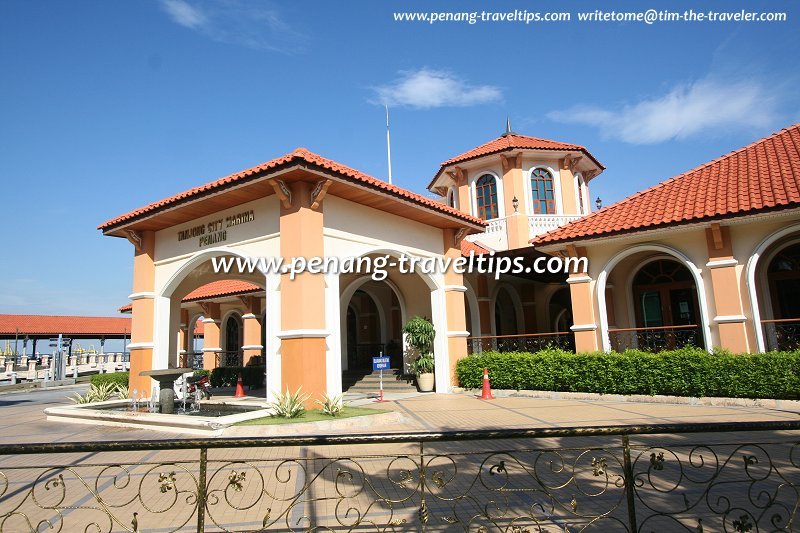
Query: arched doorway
{"points": [[560, 310], [666, 307], [505, 314], [782, 330], [232, 346]]}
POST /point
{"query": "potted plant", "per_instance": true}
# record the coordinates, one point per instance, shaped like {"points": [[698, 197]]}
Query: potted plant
{"points": [[419, 335]]}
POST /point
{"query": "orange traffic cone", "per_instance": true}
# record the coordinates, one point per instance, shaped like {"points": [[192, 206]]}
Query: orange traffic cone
{"points": [[239, 388], [487, 386]]}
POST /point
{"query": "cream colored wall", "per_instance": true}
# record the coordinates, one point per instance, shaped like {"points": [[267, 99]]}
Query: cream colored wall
{"points": [[366, 226], [265, 223]]}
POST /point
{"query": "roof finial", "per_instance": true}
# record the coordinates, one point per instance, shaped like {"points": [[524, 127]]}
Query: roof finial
{"points": [[508, 126]]}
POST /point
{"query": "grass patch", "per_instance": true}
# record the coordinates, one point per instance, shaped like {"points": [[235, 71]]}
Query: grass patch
{"points": [[314, 415]]}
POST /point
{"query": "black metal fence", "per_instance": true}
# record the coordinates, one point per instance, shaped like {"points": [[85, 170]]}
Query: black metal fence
{"points": [[782, 335], [643, 478], [655, 339], [529, 342]]}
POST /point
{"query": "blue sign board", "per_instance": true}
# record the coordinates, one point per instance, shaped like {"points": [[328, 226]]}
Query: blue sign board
{"points": [[380, 363]]}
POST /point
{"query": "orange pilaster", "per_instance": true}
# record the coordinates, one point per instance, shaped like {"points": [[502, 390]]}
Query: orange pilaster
{"points": [[142, 312], [303, 346]]}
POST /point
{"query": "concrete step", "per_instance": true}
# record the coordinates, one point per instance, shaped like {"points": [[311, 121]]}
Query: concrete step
{"points": [[393, 381]]}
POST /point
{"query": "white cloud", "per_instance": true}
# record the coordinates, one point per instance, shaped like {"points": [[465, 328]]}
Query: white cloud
{"points": [[427, 88], [707, 106], [184, 14], [251, 23]]}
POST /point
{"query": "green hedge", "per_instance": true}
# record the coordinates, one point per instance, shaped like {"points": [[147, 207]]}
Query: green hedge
{"points": [[226, 376], [683, 372], [117, 378]]}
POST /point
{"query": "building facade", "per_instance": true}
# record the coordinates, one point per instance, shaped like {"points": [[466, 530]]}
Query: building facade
{"points": [[708, 258]]}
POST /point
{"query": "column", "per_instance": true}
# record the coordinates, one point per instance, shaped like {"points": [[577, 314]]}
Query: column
{"points": [[583, 315], [484, 308], [303, 334], [529, 309], [211, 334], [184, 358], [730, 320], [142, 310], [252, 346], [517, 228], [454, 308]]}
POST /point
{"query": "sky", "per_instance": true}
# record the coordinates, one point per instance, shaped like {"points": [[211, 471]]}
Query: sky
{"points": [[108, 106]]}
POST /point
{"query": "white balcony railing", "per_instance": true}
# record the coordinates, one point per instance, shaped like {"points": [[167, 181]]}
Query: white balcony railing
{"points": [[539, 224]]}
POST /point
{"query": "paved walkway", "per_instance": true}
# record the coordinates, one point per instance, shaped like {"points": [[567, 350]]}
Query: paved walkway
{"points": [[23, 420]]}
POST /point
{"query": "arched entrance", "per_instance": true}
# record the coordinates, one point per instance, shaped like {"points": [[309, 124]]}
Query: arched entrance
{"points": [[232, 344], [666, 308], [506, 321], [781, 325], [366, 329]]}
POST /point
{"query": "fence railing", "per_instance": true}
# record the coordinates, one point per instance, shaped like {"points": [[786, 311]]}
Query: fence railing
{"points": [[235, 358], [527, 342], [191, 360], [640, 478], [655, 339], [782, 334]]}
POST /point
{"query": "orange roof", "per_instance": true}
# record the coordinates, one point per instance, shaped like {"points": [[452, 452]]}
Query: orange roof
{"points": [[300, 155], [223, 287], [513, 141], [763, 176], [67, 325], [469, 246], [215, 289]]}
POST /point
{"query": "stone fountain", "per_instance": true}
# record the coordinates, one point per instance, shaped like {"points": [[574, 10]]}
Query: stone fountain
{"points": [[166, 382]]}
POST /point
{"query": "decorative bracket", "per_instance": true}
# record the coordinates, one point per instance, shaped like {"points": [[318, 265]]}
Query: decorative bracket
{"points": [[716, 233], [319, 192], [283, 191], [135, 238], [511, 161], [572, 162], [460, 234], [458, 175], [589, 174], [205, 307]]}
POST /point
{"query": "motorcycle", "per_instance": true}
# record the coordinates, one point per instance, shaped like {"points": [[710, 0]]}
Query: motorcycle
{"points": [[193, 384]]}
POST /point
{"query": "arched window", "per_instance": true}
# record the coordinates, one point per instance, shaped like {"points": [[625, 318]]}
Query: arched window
{"points": [[784, 283], [581, 201], [451, 198], [544, 199], [486, 197]]}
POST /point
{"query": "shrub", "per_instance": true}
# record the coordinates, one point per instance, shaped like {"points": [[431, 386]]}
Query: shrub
{"points": [[331, 406], [682, 372], [226, 376], [97, 393], [115, 378], [289, 405]]}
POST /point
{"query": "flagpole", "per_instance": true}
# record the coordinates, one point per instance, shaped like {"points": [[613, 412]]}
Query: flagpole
{"points": [[388, 144]]}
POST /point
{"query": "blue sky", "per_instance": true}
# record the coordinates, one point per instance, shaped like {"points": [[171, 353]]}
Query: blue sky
{"points": [[107, 106]]}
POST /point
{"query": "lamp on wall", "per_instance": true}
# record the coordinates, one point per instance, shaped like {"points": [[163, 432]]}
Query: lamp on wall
{"points": [[515, 203], [598, 203]]}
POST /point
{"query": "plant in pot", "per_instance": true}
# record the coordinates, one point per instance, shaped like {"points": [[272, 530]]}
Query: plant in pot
{"points": [[419, 335]]}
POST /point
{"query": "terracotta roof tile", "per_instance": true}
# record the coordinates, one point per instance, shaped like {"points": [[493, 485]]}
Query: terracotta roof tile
{"points": [[469, 246], [513, 141], [215, 289], [67, 325], [299, 155], [762, 176]]}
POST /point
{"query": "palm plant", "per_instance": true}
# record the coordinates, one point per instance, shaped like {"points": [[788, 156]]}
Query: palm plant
{"points": [[420, 334]]}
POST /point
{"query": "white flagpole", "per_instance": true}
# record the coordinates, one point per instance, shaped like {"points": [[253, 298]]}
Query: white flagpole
{"points": [[388, 144]]}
